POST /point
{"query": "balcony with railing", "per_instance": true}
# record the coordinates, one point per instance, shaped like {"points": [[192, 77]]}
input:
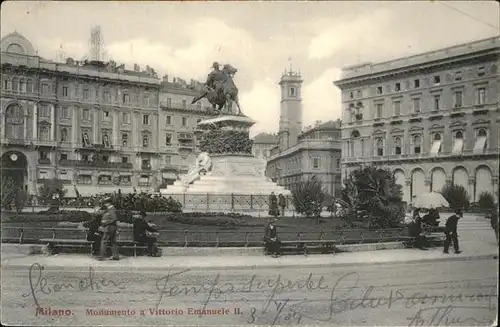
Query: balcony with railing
{"points": [[44, 161], [94, 164]]}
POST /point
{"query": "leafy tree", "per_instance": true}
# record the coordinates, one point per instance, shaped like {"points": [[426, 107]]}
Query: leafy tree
{"points": [[457, 196], [372, 195], [8, 192], [308, 197], [486, 201], [52, 191]]}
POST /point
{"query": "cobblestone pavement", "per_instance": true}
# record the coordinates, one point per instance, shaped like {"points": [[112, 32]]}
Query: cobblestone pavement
{"points": [[410, 294]]}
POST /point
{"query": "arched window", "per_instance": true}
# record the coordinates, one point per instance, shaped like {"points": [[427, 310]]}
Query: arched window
{"points": [[417, 144], [481, 132], [145, 141], [355, 134], [125, 139], [459, 135], [22, 86], [437, 137], [380, 147], [14, 122], [397, 145]]}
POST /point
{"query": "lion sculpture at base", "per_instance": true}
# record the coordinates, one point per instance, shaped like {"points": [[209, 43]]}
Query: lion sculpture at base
{"points": [[203, 165]]}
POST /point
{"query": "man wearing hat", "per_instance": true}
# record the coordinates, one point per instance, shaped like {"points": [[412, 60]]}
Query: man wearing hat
{"points": [[451, 232], [214, 78], [109, 229], [141, 227], [272, 243]]}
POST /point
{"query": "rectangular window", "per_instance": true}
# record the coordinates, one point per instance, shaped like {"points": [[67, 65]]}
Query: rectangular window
{"points": [[379, 90], [379, 109], [106, 115], [86, 114], [315, 162], [169, 103], [292, 92], [397, 87], [168, 160], [168, 139], [437, 100], [125, 139], [416, 83], [480, 144], [437, 79], [146, 101], [168, 120], [124, 160], [481, 96], [397, 108], [126, 98], [45, 88], [64, 91], [184, 104], [64, 112], [457, 99], [63, 156], [106, 97], [86, 94], [458, 75], [184, 121], [126, 118], [480, 71], [145, 119], [416, 105], [458, 146], [436, 147]]}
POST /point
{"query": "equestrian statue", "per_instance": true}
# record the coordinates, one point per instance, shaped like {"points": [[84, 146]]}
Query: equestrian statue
{"points": [[220, 89]]}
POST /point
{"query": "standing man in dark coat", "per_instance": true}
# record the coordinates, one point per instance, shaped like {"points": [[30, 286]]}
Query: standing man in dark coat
{"points": [[282, 204], [273, 205], [451, 232], [272, 243], [109, 228], [140, 235], [93, 234]]}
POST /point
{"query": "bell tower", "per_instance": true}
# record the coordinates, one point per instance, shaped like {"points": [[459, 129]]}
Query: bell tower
{"points": [[290, 125]]}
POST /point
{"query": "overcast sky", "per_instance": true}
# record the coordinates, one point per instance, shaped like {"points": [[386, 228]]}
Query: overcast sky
{"points": [[183, 39]]}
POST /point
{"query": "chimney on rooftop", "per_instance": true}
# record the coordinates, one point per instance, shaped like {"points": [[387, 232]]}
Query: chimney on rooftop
{"points": [[137, 68], [165, 78]]}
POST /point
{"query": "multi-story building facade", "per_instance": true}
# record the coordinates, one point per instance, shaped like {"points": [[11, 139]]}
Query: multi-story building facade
{"points": [[178, 121], [431, 118], [262, 145], [316, 155], [93, 125]]}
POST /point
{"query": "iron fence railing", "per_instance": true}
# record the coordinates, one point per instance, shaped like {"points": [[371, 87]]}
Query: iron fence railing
{"points": [[219, 238]]}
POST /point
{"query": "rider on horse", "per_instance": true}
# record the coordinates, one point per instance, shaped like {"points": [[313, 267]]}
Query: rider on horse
{"points": [[215, 78]]}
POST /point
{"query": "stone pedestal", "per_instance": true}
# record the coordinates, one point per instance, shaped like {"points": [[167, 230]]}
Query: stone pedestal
{"points": [[236, 177]]}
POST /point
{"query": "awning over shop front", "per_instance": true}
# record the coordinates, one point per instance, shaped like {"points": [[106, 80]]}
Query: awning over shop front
{"points": [[169, 176]]}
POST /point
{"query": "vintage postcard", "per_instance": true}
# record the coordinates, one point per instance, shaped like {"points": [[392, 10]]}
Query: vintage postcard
{"points": [[249, 163]]}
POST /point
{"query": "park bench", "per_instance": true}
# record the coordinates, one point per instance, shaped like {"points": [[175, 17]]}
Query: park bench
{"points": [[54, 244], [125, 240]]}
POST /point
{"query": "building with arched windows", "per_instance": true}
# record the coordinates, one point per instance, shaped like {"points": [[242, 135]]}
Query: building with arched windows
{"points": [[431, 118], [90, 124]]}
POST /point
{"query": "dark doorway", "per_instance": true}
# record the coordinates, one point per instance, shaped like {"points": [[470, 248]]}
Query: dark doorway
{"points": [[14, 167]]}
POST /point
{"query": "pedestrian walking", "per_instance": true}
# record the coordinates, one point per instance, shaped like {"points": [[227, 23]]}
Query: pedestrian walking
{"points": [[273, 205], [272, 242], [109, 229], [282, 204], [450, 231]]}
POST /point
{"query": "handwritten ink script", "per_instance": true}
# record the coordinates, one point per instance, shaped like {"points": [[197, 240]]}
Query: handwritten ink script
{"points": [[342, 296], [39, 283]]}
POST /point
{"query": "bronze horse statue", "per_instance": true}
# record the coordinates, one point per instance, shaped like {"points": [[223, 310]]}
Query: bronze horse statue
{"points": [[228, 92]]}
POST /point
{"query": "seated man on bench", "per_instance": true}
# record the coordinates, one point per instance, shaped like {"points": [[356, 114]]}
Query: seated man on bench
{"points": [[141, 227], [272, 243]]}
